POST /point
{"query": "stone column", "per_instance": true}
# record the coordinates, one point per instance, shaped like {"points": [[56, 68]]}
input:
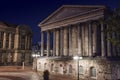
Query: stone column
{"points": [[90, 40], [65, 42], [42, 43], [57, 42], [83, 39], [109, 45], [79, 40], [48, 43], [4, 40], [20, 41], [10, 39], [86, 39], [70, 41], [94, 39], [17, 41], [114, 47], [61, 42], [103, 42], [74, 40], [54, 42]]}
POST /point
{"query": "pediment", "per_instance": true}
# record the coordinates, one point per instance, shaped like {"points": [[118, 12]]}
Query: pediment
{"points": [[68, 11]]}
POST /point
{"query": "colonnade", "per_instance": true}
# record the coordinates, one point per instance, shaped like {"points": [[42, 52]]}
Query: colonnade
{"points": [[84, 39], [12, 40]]}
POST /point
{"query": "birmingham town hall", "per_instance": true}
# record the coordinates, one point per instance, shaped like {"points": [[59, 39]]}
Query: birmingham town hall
{"points": [[75, 30], [15, 44]]}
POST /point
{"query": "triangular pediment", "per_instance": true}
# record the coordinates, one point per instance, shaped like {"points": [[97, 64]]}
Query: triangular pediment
{"points": [[68, 11]]}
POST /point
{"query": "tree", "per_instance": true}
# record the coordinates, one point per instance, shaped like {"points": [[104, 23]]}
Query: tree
{"points": [[113, 26]]}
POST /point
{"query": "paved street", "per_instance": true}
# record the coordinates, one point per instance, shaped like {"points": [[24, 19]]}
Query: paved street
{"points": [[17, 73], [29, 75]]}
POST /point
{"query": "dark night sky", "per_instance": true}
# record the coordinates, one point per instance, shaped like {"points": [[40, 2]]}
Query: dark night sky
{"points": [[31, 12]]}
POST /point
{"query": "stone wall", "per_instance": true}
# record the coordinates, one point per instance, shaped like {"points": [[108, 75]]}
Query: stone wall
{"points": [[105, 69]]}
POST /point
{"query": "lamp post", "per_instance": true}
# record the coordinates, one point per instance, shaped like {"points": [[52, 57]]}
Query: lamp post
{"points": [[77, 58], [35, 56]]}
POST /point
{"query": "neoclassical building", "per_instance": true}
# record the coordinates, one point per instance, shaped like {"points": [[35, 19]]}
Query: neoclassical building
{"points": [[77, 30], [15, 44]]}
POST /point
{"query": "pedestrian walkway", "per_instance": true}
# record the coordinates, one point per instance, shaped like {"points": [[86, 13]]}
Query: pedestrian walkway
{"points": [[57, 76], [31, 74], [14, 68]]}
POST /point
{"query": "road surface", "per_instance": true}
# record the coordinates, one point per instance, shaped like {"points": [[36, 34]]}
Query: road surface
{"points": [[29, 75]]}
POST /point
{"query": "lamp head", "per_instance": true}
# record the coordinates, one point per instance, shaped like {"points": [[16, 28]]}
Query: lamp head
{"points": [[77, 57]]}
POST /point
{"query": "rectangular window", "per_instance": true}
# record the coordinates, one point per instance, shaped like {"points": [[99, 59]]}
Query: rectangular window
{"points": [[12, 41], [1, 39], [7, 40]]}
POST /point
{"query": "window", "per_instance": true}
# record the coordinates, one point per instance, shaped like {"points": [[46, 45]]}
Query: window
{"points": [[23, 42], [23, 57], [81, 70], [1, 39], [12, 40], [52, 67], [92, 72], [70, 68], [7, 40], [45, 66], [39, 65], [0, 44]]}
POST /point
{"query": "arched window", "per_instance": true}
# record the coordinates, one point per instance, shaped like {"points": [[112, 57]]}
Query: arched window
{"points": [[39, 65], [92, 72], [52, 67], [81, 70], [70, 68], [61, 69], [45, 66]]}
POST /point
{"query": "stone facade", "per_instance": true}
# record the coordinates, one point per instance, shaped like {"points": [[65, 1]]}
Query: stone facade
{"points": [[15, 44], [76, 30]]}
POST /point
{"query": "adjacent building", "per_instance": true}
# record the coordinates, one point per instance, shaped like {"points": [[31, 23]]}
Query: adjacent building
{"points": [[76, 30], [15, 44]]}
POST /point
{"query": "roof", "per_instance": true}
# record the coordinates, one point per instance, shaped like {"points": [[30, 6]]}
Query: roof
{"points": [[67, 11], [7, 24]]}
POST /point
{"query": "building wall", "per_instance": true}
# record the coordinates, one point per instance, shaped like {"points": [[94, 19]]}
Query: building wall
{"points": [[105, 69], [82, 35], [14, 48]]}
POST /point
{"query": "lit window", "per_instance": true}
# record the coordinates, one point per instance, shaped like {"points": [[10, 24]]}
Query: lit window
{"points": [[92, 72], [81, 70], [70, 68]]}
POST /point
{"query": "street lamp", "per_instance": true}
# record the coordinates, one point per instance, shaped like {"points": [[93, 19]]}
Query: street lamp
{"points": [[77, 58], [35, 56]]}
